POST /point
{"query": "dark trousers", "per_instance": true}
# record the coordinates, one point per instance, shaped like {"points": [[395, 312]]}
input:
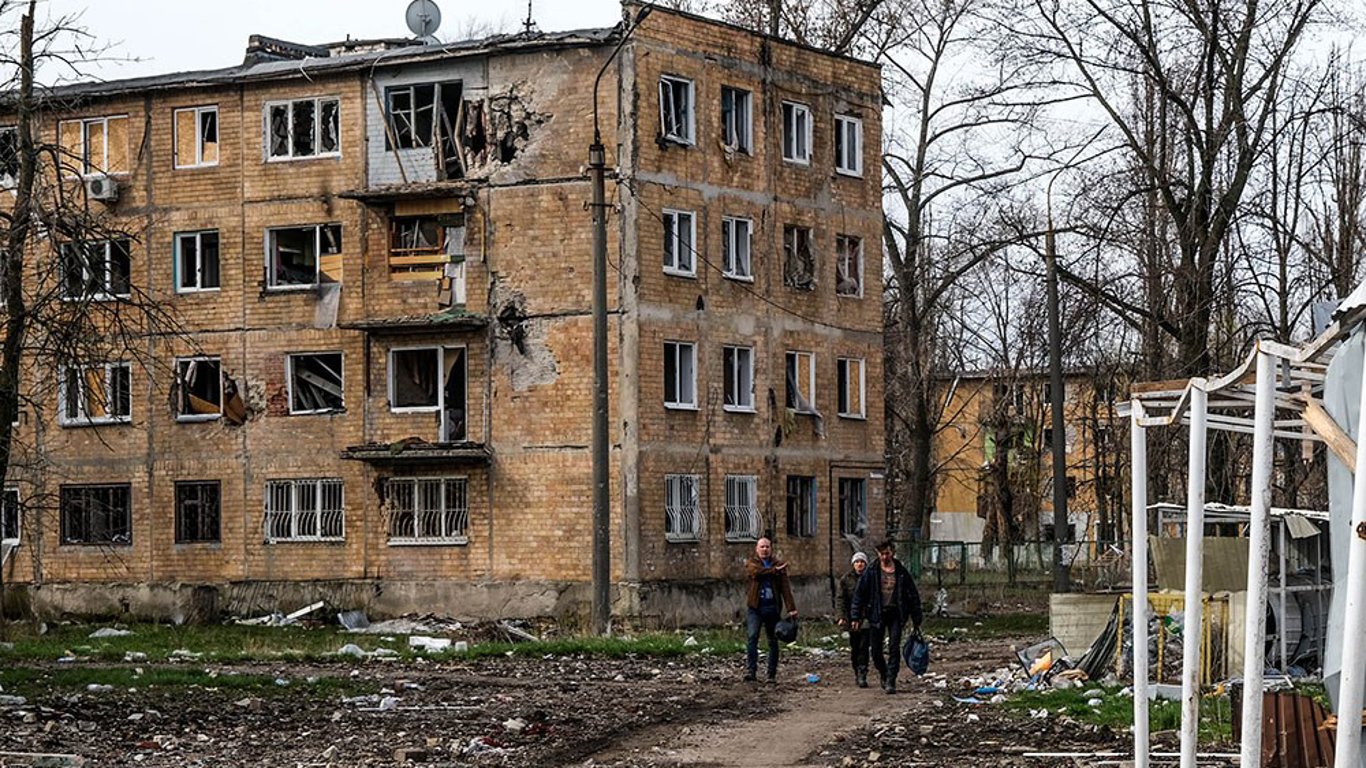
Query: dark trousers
{"points": [[888, 631], [858, 649], [753, 621]]}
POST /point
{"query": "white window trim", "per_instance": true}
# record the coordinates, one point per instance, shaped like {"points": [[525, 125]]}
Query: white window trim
{"points": [[18, 537], [673, 234], [81, 420], [691, 138], [294, 485], [858, 265], [696, 533], [752, 512], [730, 244], [318, 257], [806, 159], [199, 260], [420, 541], [729, 373], [192, 417], [198, 137], [103, 294], [289, 381], [682, 405], [841, 121], [862, 413], [811, 377], [441, 371], [317, 138], [745, 131], [85, 121]]}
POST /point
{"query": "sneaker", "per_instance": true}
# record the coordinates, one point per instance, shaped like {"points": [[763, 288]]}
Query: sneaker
{"points": [[749, 677]]}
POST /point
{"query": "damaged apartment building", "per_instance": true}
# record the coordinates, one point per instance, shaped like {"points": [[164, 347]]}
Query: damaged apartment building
{"points": [[380, 254]]}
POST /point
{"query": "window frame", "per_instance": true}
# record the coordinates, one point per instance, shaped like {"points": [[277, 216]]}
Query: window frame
{"points": [[843, 152], [803, 503], [673, 242], [9, 156], [126, 513], [804, 141], [181, 536], [676, 508], [176, 273], [318, 102], [790, 357], [460, 538], [186, 418], [318, 254], [199, 112], [845, 241], [104, 293], [294, 513], [680, 404], [81, 419], [733, 532], [843, 485], [87, 171], [730, 248], [289, 381], [744, 133], [843, 367], [18, 508], [732, 371], [690, 88]]}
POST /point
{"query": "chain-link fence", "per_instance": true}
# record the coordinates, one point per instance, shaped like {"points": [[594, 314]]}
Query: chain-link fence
{"points": [[1097, 565]]}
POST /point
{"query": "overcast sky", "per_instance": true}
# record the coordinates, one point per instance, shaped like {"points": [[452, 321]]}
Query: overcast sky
{"points": [[177, 35]]}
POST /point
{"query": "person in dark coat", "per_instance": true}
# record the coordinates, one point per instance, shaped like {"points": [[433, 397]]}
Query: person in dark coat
{"points": [[884, 599], [769, 591], [858, 638]]}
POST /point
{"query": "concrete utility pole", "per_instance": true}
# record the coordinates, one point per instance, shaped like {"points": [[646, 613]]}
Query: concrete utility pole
{"points": [[1061, 583]]}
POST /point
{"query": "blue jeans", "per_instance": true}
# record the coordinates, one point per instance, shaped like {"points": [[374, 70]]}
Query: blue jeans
{"points": [[769, 621]]}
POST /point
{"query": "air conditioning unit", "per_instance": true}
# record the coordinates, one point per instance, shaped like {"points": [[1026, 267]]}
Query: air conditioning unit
{"points": [[102, 187]]}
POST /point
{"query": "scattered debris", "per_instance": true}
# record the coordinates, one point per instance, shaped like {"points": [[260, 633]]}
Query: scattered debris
{"points": [[353, 620], [109, 632]]}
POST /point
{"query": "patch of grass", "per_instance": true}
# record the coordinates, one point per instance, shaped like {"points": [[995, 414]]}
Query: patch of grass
{"points": [[1117, 712], [1000, 625], [31, 681]]}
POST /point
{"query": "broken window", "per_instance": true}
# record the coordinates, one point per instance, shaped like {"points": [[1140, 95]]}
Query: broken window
{"points": [[735, 248], [801, 506], [94, 145], [196, 261], [315, 383], [737, 363], [9, 155], [735, 118], [849, 376], [198, 389], [293, 254], [796, 132], [308, 509], [422, 246], [848, 266], [11, 517], [424, 115], [98, 270], [801, 382], [427, 510], [97, 514], [742, 508], [848, 145], [431, 379], [676, 109], [196, 137], [197, 511], [853, 492], [302, 128], [95, 394], [679, 235], [680, 377], [799, 261], [682, 512]]}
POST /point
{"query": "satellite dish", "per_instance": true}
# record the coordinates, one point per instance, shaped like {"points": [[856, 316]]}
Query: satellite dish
{"points": [[423, 18]]}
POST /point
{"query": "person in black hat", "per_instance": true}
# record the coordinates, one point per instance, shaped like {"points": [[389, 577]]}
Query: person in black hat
{"points": [[885, 598], [858, 638]]}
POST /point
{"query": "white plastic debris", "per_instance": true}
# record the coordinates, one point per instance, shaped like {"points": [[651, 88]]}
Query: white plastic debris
{"points": [[429, 644], [99, 688], [351, 649], [388, 702], [1094, 702], [514, 725], [690, 642], [109, 632], [460, 646]]}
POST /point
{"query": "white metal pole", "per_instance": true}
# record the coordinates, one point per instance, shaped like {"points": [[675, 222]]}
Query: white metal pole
{"points": [[1138, 492], [1259, 549], [1348, 750], [1282, 630], [1195, 530]]}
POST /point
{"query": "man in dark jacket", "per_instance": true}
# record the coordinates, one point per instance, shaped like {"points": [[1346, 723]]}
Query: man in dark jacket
{"points": [[769, 591], [885, 597], [858, 638]]}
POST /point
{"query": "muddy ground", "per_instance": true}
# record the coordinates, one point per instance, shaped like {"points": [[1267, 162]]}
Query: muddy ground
{"points": [[554, 711]]}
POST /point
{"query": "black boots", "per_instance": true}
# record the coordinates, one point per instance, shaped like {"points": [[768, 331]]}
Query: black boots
{"points": [[861, 677]]}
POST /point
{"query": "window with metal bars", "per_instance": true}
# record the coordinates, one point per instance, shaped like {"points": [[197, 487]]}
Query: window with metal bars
{"points": [[682, 512], [97, 514], [197, 512], [309, 509], [428, 510], [742, 508]]}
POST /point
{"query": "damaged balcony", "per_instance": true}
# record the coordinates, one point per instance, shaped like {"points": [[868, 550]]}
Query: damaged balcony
{"points": [[412, 450]]}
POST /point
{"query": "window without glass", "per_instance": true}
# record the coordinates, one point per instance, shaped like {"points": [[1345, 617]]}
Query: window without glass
{"points": [[735, 118], [197, 511], [679, 234], [849, 374], [11, 517], [848, 266], [315, 382], [799, 260], [293, 254], [94, 145], [96, 394], [848, 145], [423, 379], [310, 509], [196, 261], [302, 128], [680, 374], [196, 137], [801, 382], [853, 506], [796, 132], [99, 270], [735, 248], [198, 389], [423, 115], [9, 155], [97, 514], [742, 508], [676, 109], [738, 365], [682, 512], [801, 506], [427, 510]]}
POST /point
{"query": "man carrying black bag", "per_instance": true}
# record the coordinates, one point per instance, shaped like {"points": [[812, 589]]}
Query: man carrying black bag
{"points": [[885, 598]]}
